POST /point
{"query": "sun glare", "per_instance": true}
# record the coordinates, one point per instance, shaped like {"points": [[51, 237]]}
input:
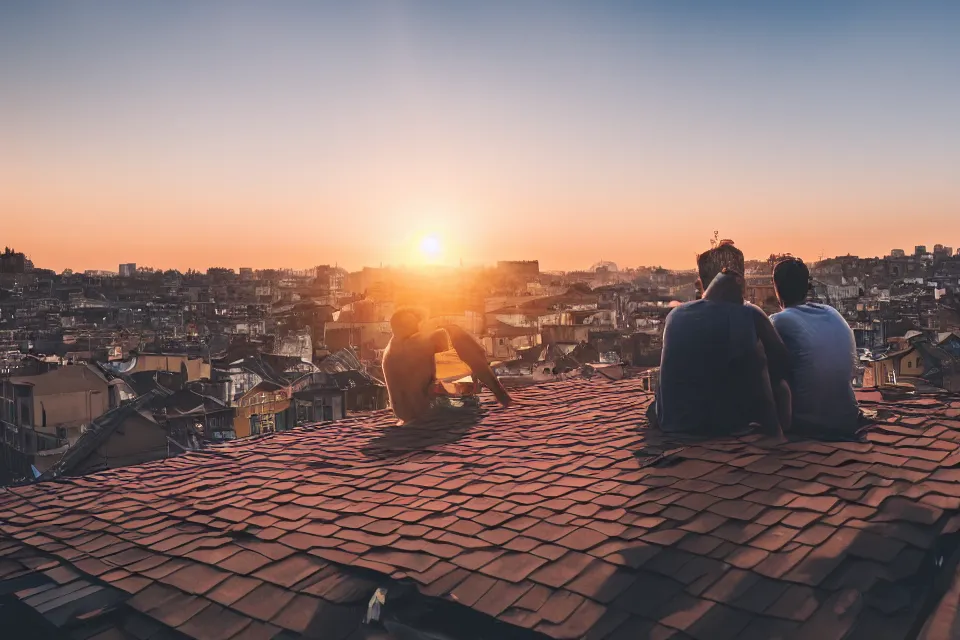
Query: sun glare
{"points": [[430, 247]]}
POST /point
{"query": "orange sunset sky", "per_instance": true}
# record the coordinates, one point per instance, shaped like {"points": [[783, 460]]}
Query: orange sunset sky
{"points": [[185, 134]]}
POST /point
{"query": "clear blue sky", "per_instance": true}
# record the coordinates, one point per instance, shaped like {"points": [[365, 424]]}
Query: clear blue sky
{"points": [[292, 133]]}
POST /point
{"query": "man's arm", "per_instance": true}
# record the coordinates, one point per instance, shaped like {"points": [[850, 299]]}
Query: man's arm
{"points": [[765, 394], [475, 357], [776, 352], [852, 341]]}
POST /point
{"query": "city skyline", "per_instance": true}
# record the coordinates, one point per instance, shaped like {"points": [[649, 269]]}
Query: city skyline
{"points": [[428, 264], [184, 135]]}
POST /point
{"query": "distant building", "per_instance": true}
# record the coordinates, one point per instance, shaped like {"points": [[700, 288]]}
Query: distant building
{"points": [[897, 253], [524, 270], [43, 414], [328, 278], [246, 273], [760, 291], [12, 262], [128, 270], [126, 435], [918, 361], [920, 250], [192, 367]]}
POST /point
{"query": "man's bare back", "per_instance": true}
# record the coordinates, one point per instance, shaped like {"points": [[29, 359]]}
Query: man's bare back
{"points": [[410, 369]]}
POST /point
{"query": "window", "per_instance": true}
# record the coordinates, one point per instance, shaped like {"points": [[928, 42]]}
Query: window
{"points": [[267, 423]]}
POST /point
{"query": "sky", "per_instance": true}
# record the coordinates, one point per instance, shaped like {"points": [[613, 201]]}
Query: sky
{"points": [[183, 134]]}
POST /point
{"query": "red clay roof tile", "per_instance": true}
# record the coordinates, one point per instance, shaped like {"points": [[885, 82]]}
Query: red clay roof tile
{"points": [[547, 516]]}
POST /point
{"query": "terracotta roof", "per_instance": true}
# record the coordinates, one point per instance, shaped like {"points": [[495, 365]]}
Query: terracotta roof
{"points": [[556, 518], [98, 433], [185, 402]]}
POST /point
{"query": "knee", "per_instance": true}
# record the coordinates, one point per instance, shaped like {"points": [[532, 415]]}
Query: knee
{"points": [[782, 396]]}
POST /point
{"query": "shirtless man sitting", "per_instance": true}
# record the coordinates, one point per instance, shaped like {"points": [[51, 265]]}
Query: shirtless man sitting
{"points": [[410, 368]]}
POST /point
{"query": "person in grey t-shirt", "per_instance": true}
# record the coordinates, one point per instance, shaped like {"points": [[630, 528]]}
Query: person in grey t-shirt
{"points": [[823, 354]]}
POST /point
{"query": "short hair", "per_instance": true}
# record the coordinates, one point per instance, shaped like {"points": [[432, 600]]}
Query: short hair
{"points": [[712, 262], [406, 320], [791, 278]]}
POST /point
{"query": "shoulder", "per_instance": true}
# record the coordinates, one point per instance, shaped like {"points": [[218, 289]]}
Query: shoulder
{"points": [[680, 309], [832, 311], [826, 311], [391, 348], [785, 317], [756, 313], [837, 321], [684, 309]]}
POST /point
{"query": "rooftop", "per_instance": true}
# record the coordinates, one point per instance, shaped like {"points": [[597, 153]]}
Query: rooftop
{"points": [[561, 517]]}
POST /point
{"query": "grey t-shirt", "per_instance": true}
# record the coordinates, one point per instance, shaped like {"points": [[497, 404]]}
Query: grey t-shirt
{"points": [[823, 361]]}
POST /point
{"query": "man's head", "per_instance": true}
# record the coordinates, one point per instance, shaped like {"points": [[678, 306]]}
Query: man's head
{"points": [[712, 262], [791, 279], [406, 321]]}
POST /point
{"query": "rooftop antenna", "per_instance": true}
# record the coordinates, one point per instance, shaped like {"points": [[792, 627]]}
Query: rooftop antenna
{"points": [[715, 240]]}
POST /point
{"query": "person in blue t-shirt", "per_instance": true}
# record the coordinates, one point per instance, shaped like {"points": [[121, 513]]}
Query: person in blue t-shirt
{"points": [[823, 354]]}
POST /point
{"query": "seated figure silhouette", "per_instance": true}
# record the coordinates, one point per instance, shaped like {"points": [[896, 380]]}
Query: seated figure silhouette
{"points": [[723, 366], [410, 369]]}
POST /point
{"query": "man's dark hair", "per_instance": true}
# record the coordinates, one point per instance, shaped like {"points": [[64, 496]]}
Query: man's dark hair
{"points": [[406, 320], [792, 281], [712, 262]]}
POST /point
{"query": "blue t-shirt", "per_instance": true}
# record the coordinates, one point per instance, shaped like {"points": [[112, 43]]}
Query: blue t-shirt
{"points": [[709, 351], [823, 361]]}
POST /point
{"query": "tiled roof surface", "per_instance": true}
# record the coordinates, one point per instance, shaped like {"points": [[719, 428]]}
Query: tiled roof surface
{"points": [[561, 517]]}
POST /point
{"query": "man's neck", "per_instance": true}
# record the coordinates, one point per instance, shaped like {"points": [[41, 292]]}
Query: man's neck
{"points": [[724, 288]]}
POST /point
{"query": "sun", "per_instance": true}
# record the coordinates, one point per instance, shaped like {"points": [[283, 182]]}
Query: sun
{"points": [[430, 247]]}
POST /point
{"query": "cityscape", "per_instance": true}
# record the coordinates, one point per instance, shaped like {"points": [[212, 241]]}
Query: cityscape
{"points": [[102, 370], [533, 320], [232, 353]]}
